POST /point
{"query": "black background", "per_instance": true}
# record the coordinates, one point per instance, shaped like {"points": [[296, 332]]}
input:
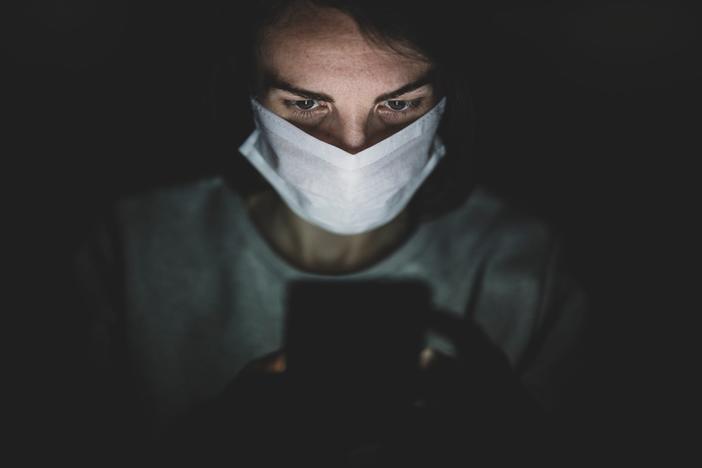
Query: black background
{"points": [[587, 114]]}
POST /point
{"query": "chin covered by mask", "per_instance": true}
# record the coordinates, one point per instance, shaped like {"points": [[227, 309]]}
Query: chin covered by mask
{"points": [[341, 192]]}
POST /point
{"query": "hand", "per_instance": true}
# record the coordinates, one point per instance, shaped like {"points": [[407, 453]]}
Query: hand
{"points": [[270, 366], [272, 363], [275, 362], [438, 375]]}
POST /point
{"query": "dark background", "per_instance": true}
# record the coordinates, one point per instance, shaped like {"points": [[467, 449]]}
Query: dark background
{"points": [[587, 112]]}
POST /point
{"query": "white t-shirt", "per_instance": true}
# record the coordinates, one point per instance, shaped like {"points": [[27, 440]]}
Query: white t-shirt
{"points": [[183, 292]]}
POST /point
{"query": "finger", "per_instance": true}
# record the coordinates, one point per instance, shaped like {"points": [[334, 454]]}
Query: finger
{"points": [[273, 363], [426, 357]]}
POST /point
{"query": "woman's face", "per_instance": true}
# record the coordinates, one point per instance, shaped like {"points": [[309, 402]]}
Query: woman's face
{"points": [[323, 76]]}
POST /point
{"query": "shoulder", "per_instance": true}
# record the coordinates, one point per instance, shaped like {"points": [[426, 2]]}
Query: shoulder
{"points": [[201, 207], [497, 228], [165, 219], [174, 204]]}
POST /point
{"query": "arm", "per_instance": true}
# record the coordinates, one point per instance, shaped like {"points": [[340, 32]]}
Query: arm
{"points": [[553, 363], [106, 407]]}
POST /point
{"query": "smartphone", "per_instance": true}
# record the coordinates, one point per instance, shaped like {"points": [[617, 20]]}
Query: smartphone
{"points": [[355, 339]]}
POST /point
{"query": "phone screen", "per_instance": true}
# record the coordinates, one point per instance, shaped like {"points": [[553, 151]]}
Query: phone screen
{"points": [[355, 337]]}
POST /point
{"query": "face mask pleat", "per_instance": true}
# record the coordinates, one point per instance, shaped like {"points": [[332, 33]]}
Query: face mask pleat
{"points": [[342, 192]]}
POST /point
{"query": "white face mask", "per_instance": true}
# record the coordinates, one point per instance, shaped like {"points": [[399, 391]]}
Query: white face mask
{"points": [[338, 191]]}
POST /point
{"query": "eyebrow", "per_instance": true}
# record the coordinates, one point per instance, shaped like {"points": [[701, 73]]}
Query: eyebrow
{"points": [[277, 83]]}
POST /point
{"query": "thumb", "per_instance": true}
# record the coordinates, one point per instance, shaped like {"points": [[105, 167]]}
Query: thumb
{"points": [[272, 363]]}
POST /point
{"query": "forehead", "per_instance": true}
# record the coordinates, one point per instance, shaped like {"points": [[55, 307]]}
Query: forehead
{"points": [[324, 48]]}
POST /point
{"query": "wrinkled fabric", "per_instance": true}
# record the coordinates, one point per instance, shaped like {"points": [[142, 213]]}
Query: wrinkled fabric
{"points": [[341, 192], [182, 292]]}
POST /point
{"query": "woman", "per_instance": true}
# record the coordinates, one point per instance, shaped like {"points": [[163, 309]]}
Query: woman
{"points": [[361, 159]]}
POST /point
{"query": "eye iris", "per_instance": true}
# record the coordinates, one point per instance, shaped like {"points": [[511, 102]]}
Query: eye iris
{"points": [[397, 105], [306, 104]]}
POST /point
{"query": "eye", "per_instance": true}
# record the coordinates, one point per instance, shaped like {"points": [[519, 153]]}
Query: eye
{"points": [[305, 108], [305, 104], [399, 110], [398, 105]]}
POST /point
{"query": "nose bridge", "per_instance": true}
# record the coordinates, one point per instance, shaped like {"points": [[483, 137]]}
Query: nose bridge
{"points": [[353, 130]]}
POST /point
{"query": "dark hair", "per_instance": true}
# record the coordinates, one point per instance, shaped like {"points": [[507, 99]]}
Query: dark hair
{"points": [[434, 29]]}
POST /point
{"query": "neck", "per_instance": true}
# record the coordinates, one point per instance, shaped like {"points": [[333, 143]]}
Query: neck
{"points": [[314, 249]]}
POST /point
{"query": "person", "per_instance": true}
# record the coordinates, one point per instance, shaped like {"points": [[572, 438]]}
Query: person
{"points": [[354, 230]]}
